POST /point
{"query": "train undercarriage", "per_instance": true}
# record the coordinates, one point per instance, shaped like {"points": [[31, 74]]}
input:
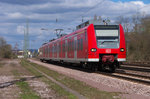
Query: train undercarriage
{"points": [[94, 66], [100, 66]]}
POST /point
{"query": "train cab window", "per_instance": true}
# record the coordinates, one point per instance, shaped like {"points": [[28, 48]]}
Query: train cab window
{"points": [[107, 36]]}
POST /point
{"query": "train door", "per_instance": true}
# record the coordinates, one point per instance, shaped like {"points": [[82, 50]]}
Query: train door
{"points": [[66, 44], [75, 48]]}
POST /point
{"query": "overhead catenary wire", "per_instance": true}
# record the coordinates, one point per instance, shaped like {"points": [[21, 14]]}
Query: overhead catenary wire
{"points": [[85, 12], [88, 10], [82, 15]]}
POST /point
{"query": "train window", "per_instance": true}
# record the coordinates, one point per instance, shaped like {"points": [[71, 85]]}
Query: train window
{"points": [[72, 45], [45, 50], [49, 49], [75, 45], [66, 43], [63, 45], [68, 46], [57, 47], [107, 36], [85, 34], [81, 44], [53, 49], [104, 33]]}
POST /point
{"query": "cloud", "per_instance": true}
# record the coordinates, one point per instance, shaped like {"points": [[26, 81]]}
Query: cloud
{"points": [[43, 14], [21, 29], [27, 2], [67, 10], [14, 15]]}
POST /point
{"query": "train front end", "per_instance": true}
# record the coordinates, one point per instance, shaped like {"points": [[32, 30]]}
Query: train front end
{"points": [[107, 46]]}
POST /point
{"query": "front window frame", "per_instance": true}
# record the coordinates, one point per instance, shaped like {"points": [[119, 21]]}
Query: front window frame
{"points": [[108, 27]]}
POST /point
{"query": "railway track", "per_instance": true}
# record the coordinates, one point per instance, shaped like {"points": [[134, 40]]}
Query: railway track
{"points": [[136, 78], [129, 77], [137, 65], [135, 68]]}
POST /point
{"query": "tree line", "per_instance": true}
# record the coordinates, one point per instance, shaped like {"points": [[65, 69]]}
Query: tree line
{"points": [[137, 33], [5, 49]]}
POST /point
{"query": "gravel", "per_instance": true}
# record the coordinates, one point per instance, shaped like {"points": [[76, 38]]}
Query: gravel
{"points": [[42, 89], [136, 72], [130, 90], [9, 92]]}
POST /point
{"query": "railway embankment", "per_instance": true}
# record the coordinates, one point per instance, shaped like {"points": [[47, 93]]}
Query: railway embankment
{"points": [[128, 89]]}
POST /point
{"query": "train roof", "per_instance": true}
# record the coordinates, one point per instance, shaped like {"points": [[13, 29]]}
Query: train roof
{"points": [[94, 22], [80, 28]]}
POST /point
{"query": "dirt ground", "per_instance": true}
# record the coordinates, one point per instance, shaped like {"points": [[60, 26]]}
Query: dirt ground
{"points": [[6, 75], [11, 70]]}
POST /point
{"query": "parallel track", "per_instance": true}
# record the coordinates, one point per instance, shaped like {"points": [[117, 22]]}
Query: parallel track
{"points": [[135, 68], [137, 65], [129, 77], [122, 75]]}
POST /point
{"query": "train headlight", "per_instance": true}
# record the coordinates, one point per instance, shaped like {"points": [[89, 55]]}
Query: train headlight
{"points": [[93, 50], [122, 49]]}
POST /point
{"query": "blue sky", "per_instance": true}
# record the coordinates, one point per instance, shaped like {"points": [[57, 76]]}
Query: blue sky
{"points": [[43, 13]]}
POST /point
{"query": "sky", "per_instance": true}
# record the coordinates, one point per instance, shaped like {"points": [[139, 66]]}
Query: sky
{"points": [[43, 14]]}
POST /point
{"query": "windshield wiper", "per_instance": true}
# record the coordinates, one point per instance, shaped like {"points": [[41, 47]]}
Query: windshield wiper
{"points": [[107, 41]]}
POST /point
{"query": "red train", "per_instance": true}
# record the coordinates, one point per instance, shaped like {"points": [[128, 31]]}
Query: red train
{"points": [[93, 45]]}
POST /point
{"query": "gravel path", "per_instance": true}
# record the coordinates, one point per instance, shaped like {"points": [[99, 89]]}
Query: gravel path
{"points": [[10, 92], [129, 89], [42, 89]]}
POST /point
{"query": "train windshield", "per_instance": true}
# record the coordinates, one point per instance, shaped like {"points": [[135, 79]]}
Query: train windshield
{"points": [[107, 36]]}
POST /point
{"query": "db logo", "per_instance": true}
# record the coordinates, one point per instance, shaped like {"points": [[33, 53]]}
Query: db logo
{"points": [[108, 50]]}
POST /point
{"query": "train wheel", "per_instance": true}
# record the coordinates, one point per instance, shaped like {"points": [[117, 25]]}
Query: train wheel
{"points": [[112, 68], [94, 67], [102, 67], [41, 60]]}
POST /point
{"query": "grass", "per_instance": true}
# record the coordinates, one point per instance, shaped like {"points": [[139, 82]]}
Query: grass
{"points": [[2, 64], [59, 90], [16, 73], [26, 92], [81, 87]]}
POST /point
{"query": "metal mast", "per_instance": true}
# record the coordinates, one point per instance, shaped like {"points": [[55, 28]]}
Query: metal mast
{"points": [[26, 40]]}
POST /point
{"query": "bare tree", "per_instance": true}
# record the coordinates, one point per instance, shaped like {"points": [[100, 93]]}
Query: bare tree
{"points": [[125, 21], [119, 20], [5, 49]]}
